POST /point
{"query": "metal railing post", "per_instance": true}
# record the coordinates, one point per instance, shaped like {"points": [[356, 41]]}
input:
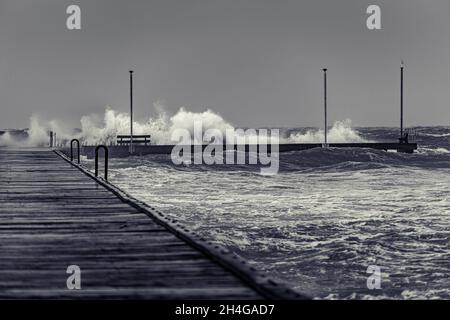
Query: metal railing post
{"points": [[105, 148], [78, 149], [51, 138]]}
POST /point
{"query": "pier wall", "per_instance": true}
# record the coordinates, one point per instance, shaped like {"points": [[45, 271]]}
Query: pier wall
{"points": [[123, 151]]}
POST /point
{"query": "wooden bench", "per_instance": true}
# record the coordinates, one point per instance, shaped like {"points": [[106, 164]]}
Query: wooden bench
{"points": [[137, 139]]}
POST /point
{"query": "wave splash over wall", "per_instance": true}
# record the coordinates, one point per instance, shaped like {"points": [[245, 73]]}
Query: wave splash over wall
{"points": [[95, 129], [341, 131]]}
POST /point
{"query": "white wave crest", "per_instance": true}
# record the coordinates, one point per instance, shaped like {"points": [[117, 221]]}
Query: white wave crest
{"points": [[160, 127], [103, 130], [341, 131]]}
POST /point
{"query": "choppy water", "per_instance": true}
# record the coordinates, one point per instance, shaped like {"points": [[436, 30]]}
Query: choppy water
{"points": [[327, 216]]}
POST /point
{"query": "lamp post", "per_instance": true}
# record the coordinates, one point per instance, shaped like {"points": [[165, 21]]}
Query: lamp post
{"points": [[401, 100], [325, 106], [131, 112]]}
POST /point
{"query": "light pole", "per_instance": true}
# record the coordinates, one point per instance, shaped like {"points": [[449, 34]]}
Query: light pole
{"points": [[131, 111], [401, 100], [325, 106]]}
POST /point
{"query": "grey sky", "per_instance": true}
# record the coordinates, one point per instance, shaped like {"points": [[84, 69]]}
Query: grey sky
{"points": [[256, 62]]}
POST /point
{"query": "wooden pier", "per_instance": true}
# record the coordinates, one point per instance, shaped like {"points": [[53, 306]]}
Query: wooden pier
{"points": [[54, 214]]}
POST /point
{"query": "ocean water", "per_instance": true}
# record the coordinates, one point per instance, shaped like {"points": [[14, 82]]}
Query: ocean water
{"points": [[324, 218]]}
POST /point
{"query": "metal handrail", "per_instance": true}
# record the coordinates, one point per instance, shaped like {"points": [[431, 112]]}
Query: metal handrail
{"points": [[105, 148], [78, 149]]}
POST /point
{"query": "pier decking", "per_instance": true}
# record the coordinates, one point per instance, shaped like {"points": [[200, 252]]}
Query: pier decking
{"points": [[53, 214]]}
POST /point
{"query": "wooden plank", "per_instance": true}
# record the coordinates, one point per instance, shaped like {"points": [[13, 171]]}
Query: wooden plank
{"points": [[52, 216]]}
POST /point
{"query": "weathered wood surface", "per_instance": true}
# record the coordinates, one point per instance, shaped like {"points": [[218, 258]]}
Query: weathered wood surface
{"points": [[52, 216]]}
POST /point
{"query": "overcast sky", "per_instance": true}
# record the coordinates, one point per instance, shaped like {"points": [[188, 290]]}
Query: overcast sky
{"points": [[256, 62]]}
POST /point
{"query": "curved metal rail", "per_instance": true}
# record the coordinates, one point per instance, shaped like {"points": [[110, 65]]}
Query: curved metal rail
{"points": [[106, 152]]}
